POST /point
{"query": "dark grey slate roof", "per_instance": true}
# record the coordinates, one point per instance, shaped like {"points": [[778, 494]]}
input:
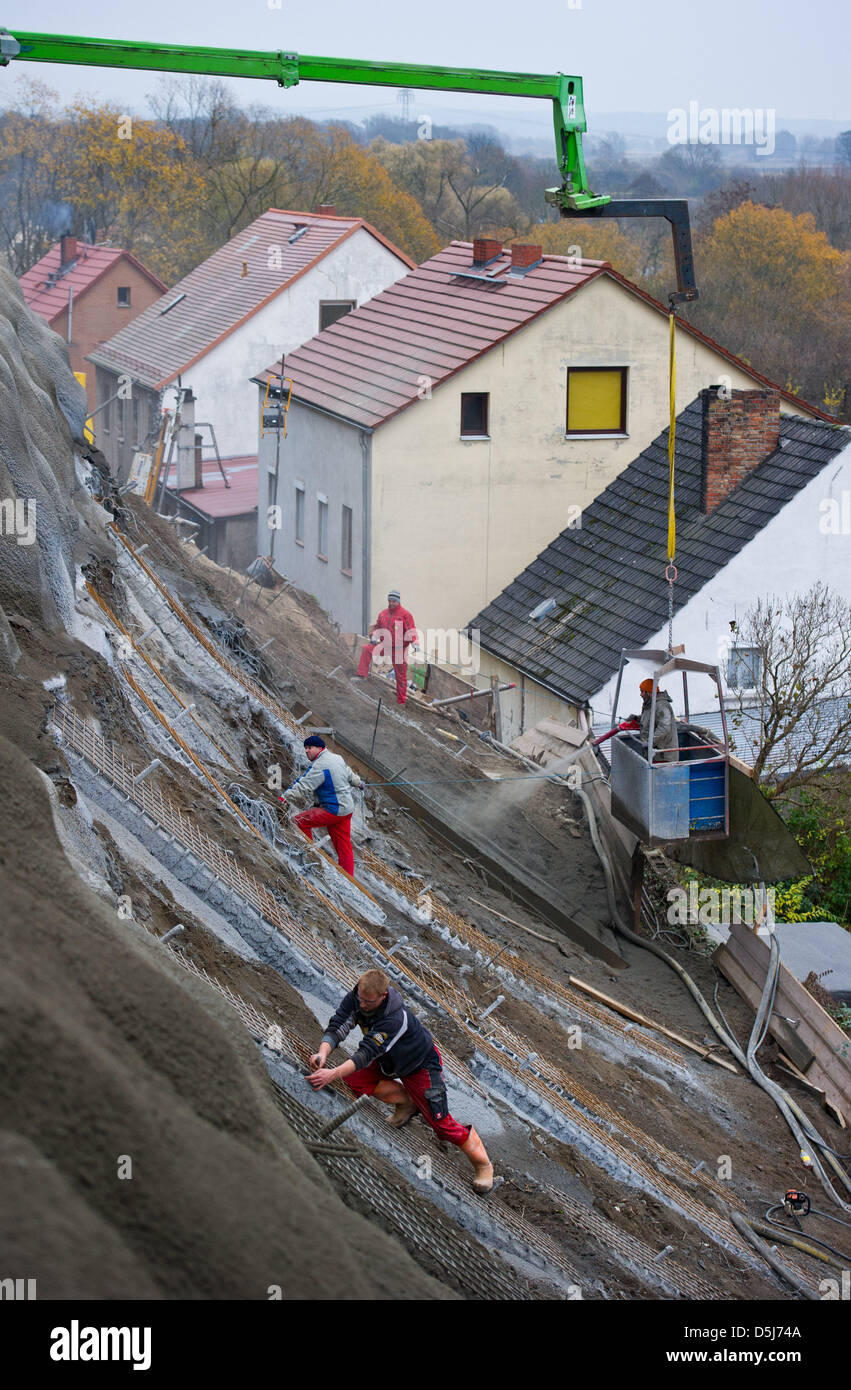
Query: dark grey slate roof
{"points": [[607, 575]]}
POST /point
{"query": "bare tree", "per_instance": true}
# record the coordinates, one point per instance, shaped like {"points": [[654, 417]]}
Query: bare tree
{"points": [[791, 686]]}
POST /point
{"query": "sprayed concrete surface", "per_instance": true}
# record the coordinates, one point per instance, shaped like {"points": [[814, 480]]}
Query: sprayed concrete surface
{"points": [[113, 1049]]}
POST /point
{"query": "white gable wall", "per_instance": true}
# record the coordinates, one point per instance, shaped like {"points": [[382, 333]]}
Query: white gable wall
{"points": [[454, 521], [358, 269], [787, 557]]}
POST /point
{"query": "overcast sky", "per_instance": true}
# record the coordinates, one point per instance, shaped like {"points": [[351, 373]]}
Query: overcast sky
{"points": [[634, 55]]}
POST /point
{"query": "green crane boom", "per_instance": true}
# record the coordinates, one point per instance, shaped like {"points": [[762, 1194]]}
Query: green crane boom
{"points": [[573, 198]]}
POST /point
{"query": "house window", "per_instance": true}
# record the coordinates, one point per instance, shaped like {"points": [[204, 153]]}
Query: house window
{"points": [[596, 400], [119, 404], [744, 668], [299, 515], [271, 500], [346, 549], [322, 528], [332, 309], [124, 296], [474, 415]]}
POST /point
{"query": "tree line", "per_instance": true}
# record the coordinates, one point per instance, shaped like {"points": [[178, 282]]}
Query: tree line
{"points": [[773, 251]]}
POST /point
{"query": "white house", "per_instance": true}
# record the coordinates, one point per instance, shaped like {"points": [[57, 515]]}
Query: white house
{"points": [[443, 432], [763, 509], [275, 284]]}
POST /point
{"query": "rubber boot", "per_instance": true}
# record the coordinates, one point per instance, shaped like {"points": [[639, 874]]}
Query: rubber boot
{"points": [[476, 1152], [402, 1113], [392, 1093]]}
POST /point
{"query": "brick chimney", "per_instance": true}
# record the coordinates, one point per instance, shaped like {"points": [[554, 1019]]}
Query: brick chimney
{"points": [[740, 430], [522, 257], [327, 210], [484, 249], [67, 250]]}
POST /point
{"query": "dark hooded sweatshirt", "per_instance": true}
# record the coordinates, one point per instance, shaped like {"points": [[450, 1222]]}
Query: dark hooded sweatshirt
{"points": [[393, 1034]]}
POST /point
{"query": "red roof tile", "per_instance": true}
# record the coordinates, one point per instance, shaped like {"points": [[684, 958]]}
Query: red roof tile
{"points": [[91, 263], [216, 500], [369, 365], [225, 290]]}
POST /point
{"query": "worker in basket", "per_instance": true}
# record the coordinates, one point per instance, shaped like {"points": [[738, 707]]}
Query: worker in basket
{"points": [[666, 745], [395, 1044]]}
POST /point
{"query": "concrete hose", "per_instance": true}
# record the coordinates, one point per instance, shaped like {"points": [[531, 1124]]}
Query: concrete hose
{"points": [[802, 1130]]}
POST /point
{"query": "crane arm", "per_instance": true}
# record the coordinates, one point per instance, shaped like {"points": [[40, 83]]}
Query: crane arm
{"points": [[573, 198]]}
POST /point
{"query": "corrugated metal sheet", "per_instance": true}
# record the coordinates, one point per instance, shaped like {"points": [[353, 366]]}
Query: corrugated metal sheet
{"points": [[226, 289], [607, 576], [216, 500], [370, 364], [91, 263]]}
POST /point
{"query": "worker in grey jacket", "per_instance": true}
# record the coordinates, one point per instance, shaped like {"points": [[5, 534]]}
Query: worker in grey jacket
{"points": [[331, 781], [666, 746]]}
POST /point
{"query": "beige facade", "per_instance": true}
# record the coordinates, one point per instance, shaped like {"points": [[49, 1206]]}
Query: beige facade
{"points": [[454, 521]]}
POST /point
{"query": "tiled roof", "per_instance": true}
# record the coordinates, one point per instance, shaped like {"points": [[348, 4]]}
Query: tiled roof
{"points": [[47, 300], [216, 500], [370, 364], [373, 362], [607, 575], [222, 292]]}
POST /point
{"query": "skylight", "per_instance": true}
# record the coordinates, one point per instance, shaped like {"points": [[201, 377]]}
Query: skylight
{"points": [[172, 305]]}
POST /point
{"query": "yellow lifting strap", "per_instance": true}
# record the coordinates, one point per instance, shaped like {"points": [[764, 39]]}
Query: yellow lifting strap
{"points": [[672, 434]]}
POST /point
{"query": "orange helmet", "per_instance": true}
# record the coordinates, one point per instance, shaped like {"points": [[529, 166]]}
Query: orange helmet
{"points": [[646, 687]]}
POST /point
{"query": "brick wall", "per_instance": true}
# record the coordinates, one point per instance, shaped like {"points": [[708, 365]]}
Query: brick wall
{"points": [[96, 315], [740, 430]]}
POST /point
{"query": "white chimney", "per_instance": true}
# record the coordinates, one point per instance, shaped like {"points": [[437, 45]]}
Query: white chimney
{"points": [[186, 443]]}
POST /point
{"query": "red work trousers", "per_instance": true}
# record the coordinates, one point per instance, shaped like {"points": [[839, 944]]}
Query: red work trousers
{"points": [[400, 672], [339, 828], [364, 1082]]}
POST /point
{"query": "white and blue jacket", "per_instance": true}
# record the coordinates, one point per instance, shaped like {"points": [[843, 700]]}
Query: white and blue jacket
{"points": [[331, 781]]}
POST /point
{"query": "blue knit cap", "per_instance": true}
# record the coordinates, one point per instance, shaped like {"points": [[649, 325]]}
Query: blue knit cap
{"points": [[314, 741]]}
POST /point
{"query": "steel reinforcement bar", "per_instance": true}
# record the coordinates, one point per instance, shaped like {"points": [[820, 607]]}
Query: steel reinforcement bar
{"points": [[104, 757], [513, 964], [463, 1009], [281, 1038]]}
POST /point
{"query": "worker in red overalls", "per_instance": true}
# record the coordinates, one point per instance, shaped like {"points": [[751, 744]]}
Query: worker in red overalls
{"points": [[393, 633]]}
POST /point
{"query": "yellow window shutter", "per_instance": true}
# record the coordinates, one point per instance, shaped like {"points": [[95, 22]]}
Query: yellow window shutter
{"points": [[594, 400]]}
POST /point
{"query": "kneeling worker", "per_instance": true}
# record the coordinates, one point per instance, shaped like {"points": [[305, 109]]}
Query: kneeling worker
{"points": [[396, 1044], [331, 780]]}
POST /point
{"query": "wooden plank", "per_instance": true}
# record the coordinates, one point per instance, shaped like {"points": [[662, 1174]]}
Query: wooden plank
{"points": [[636, 1017], [743, 983], [818, 1091], [816, 1029], [803, 1045]]}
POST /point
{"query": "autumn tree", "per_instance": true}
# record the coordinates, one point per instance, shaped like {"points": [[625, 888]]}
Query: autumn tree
{"points": [[32, 214], [790, 704], [591, 240], [460, 185], [775, 291], [135, 181]]}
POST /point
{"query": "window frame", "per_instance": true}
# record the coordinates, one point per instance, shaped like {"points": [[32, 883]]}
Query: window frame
{"points": [[740, 655], [321, 519], [123, 303], [299, 514], [621, 432], [484, 433], [346, 534], [333, 304]]}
